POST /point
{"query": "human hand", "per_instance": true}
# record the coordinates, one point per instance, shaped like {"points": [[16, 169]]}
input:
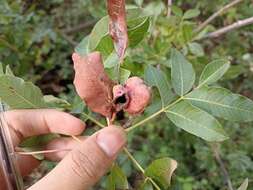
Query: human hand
{"points": [[83, 166]]}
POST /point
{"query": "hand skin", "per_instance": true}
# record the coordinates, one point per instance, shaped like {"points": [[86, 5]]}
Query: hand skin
{"points": [[80, 168]]}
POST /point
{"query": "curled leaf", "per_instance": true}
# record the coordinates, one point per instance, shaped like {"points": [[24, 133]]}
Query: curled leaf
{"points": [[118, 25], [92, 83]]}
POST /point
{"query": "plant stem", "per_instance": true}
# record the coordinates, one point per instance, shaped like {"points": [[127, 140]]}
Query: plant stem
{"points": [[93, 120], [136, 163], [169, 4], [138, 166], [153, 115], [222, 166], [42, 152], [228, 28], [80, 27], [67, 38], [216, 14]]}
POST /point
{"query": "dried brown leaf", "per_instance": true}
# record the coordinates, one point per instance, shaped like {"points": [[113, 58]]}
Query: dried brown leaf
{"points": [[92, 83], [118, 25]]}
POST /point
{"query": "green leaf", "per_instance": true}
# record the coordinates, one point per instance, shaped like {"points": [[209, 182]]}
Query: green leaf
{"points": [[182, 73], [117, 179], [187, 32], [244, 185], [234, 71], [155, 8], [112, 60], [196, 122], [55, 102], [161, 171], [196, 49], [105, 46], [177, 11], [157, 78], [139, 2], [19, 94], [83, 47], [137, 33], [99, 31], [213, 71], [191, 13], [146, 185], [222, 103], [37, 143], [124, 74], [1, 69]]}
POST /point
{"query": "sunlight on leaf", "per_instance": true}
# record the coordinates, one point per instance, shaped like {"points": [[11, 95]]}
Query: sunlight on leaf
{"points": [[244, 185], [1, 68]]}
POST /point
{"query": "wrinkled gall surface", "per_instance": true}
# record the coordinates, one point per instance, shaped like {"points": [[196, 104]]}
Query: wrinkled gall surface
{"points": [[92, 84], [133, 97], [118, 25]]}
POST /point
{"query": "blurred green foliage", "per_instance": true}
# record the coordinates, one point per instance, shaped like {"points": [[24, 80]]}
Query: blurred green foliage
{"points": [[37, 39]]}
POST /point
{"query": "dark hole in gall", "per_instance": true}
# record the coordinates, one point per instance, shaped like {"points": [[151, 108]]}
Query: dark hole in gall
{"points": [[121, 100]]}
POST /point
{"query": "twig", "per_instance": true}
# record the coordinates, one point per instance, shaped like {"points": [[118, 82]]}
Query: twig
{"points": [[231, 27], [76, 138], [67, 38], [169, 4], [93, 120], [42, 152], [6, 43], [79, 27], [153, 115], [222, 166], [216, 14]]}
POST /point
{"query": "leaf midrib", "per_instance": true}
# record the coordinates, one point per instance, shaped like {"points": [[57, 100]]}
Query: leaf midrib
{"points": [[216, 103], [204, 82], [20, 96], [187, 119]]}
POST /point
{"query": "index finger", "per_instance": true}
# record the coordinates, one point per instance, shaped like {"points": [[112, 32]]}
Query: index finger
{"points": [[27, 123]]}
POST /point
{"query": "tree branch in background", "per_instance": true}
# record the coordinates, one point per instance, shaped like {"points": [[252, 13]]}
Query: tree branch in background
{"points": [[224, 171], [80, 27], [216, 14], [228, 28], [169, 4], [66, 37]]}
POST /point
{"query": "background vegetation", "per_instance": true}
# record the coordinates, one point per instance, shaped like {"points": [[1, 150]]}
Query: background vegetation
{"points": [[37, 39]]}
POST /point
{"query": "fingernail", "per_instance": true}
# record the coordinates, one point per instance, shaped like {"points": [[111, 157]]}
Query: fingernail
{"points": [[111, 140]]}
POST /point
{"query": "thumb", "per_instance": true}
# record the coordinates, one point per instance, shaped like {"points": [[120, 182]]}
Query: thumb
{"points": [[86, 164]]}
